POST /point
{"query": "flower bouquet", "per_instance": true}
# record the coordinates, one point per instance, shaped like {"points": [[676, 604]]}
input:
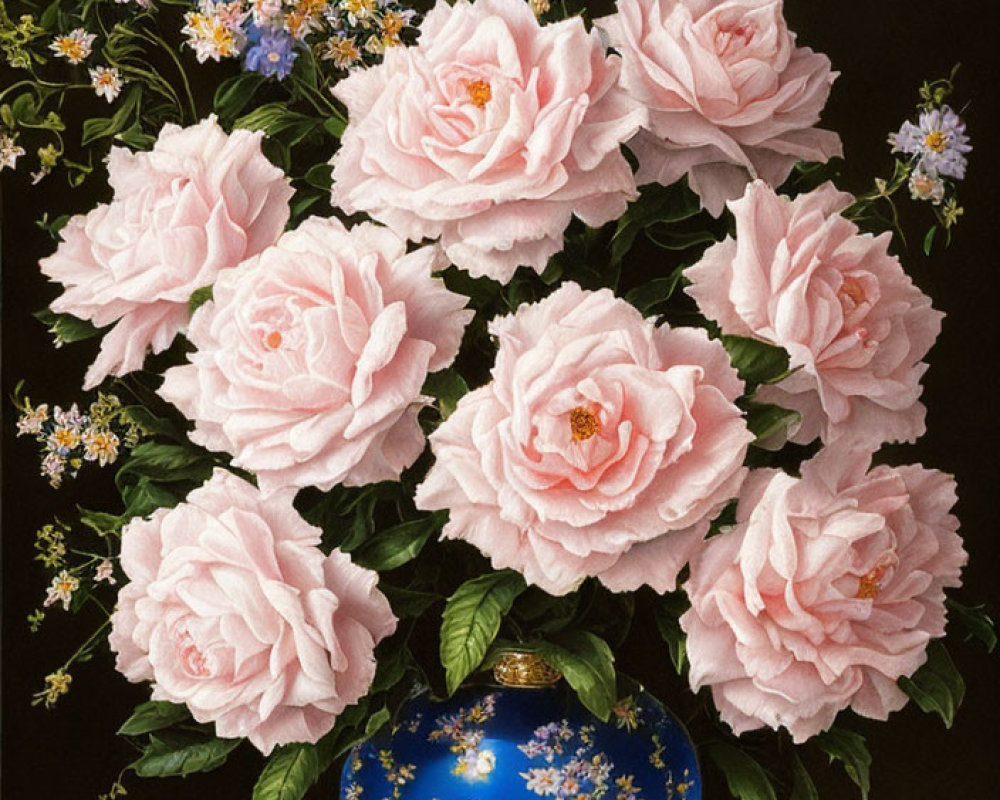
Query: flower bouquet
{"points": [[422, 334]]}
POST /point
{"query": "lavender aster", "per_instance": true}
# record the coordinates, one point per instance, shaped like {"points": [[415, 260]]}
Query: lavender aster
{"points": [[939, 140], [271, 54]]}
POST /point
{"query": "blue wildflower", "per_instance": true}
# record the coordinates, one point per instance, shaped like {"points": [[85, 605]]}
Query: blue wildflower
{"points": [[939, 140], [271, 53]]}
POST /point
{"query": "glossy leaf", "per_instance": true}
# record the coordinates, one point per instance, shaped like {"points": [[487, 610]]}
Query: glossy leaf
{"points": [[850, 749], [182, 753], [937, 687], [153, 716], [745, 778], [288, 774], [588, 665], [400, 544], [471, 621]]}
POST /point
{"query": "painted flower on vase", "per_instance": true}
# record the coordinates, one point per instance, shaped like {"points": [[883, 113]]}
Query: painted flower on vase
{"points": [[801, 276], [200, 201], [603, 446], [490, 133], [233, 610], [730, 95], [826, 591], [311, 356]]}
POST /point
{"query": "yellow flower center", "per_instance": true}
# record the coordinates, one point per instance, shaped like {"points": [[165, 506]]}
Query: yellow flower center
{"points": [[583, 424], [480, 93], [273, 340], [851, 288], [936, 141], [72, 49], [870, 584]]}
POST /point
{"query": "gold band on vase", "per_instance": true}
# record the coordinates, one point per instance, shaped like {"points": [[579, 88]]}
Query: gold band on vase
{"points": [[524, 670]]}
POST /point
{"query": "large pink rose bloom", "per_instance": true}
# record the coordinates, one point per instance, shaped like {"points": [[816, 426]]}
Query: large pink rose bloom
{"points": [[233, 610], [311, 356], [198, 202], [730, 96], [824, 594], [603, 446], [490, 134], [801, 276]]}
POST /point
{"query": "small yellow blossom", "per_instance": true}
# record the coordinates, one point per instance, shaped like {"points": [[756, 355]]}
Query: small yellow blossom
{"points": [[56, 685], [107, 82]]}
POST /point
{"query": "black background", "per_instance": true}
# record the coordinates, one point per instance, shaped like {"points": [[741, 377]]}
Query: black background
{"points": [[883, 49]]}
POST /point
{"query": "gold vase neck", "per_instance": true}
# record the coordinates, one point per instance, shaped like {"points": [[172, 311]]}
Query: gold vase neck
{"points": [[524, 670]]}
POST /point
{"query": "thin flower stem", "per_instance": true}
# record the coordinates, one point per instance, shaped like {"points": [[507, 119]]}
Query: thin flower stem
{"points": [[83, 648], [152, 37]]}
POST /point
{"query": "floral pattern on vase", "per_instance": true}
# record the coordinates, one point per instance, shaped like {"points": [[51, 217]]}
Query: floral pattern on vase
{"points": [[525, 744]]}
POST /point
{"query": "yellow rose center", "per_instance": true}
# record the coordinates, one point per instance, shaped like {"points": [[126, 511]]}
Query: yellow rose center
{"points": [[583, 424], [851, 288], [273, 340], [480, 93], [936, 141]]}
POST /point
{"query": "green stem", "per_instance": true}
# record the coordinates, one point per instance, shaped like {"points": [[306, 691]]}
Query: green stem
{"points": [[83, 648], [152, 37]]}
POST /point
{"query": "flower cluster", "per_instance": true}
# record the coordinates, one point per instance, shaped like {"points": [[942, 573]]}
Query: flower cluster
{"points": [[464, 729], [270, 34], [581, 773], [76, 47], [937, 146], [69, 437]]}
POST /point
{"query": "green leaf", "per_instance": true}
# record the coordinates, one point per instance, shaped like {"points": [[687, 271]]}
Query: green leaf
{"points": [[471, 621], [666, 612], [409, 602], [152, 424], [745, 778], [153, 716], [659, 290], [102, 127], [182, 753], [67, 328], [587, 664], [976, 622], [198, 298], [803, 787], [289, 773], [540, 612], [165, 462], [335, 126], [375, 722], [662, 236], [320, 176], [399, 544], [278, 121], [145, 497], [100, 522], [655, 204], [937, 686], [391, 663], [850, 749], [929, 240], [233, 94], [765, 419], [135, 137], [447, 387], [756, 361]]}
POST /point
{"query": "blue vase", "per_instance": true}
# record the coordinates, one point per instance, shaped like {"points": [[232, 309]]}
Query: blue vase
{"points": [[494, 743]]}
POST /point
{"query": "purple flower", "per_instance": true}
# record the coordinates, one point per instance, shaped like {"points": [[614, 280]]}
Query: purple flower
{"points": [[272, 53], [939, 140]]}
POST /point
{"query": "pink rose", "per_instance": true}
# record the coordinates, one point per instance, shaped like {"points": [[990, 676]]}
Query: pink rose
{"points": [[490, 134], [800, 276], [825, 593], [234, 611], [730, 96], [603, 446], [200, 201], [311, 356]]}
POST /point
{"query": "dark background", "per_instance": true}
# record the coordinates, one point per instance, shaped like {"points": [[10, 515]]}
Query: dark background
{"points": [[883, 49]]}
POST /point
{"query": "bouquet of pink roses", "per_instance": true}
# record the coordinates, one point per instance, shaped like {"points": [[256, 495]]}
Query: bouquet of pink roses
{"points": [[386, 391]]}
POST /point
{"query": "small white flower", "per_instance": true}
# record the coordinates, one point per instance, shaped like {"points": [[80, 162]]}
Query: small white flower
{"points": [[107, 82], [75, 46], [104, 572], [62, 588], [9, 151]]}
